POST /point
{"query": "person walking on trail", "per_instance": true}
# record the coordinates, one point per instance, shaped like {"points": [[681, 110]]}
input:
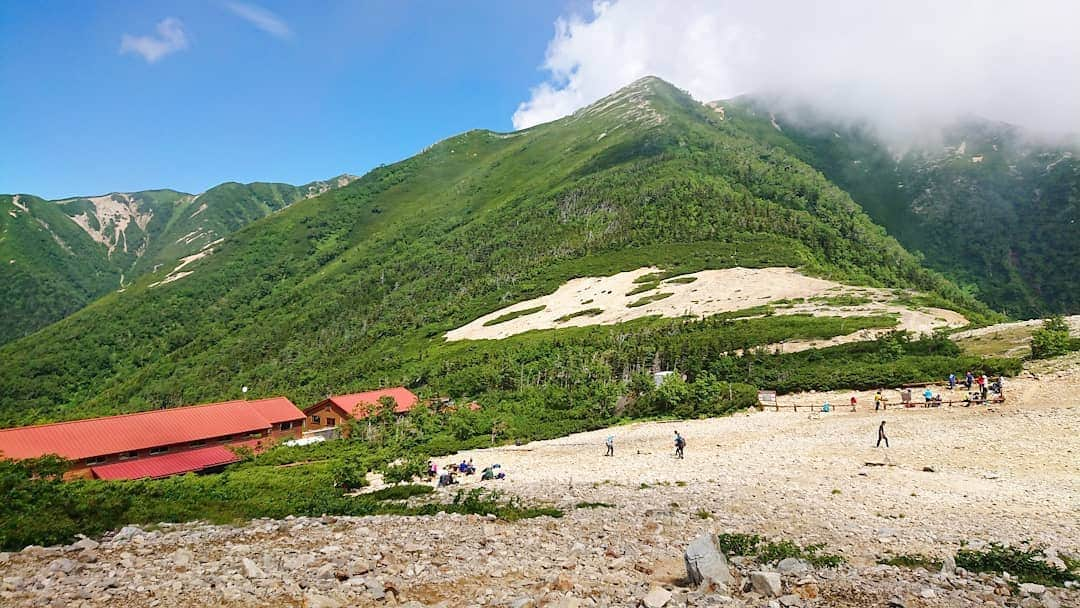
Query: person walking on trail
{"points": [[854, 401], [680, 445], [881, 435], [610, 443], [952, 381], [969, 379], [879, 401]]}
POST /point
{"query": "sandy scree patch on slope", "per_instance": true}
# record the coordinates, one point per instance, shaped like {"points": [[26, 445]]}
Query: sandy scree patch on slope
{"points": [[711, 292]]}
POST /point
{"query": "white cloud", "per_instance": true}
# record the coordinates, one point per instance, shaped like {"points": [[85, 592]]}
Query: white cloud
{"points": [[170, 38], [902, 64], [261, 18]]}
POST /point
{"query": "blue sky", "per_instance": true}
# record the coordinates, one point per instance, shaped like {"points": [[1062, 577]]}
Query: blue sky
{"points": [[125, 95], [267, 91]]}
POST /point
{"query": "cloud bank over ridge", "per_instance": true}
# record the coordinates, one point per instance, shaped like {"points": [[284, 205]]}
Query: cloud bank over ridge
{"points": [[903, 66]]}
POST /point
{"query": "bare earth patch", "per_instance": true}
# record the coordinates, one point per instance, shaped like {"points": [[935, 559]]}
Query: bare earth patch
{"points": [[700, 294]]}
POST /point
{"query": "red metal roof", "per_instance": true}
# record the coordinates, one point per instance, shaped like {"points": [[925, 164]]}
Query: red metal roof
{"points": [[277, 410], [167, 464], [126, 433], [360, 403]]}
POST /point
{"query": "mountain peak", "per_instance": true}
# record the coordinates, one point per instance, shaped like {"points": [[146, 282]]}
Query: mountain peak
{"points": [[636, 102]]}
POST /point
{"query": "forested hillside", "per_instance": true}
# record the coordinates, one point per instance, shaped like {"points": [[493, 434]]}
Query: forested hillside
{"points": [[354, 288], [61, 255], [993, 208]]}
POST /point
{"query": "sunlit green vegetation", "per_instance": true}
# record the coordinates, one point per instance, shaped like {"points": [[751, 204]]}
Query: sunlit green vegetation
{"points": [[588, 312], [656, 297], [510, 316]]}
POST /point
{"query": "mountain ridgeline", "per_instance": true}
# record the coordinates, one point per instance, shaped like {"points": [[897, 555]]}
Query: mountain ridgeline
{"points": [[58, 256], [991, 207], [356, 287]]}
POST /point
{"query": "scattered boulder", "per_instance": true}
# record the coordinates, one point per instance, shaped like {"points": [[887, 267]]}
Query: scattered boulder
{"points": [[657, 597], [128, 533], [706, 564], [64, 565], [790, 600], [251, 569], [766, 583], [792, 565], [1032, 589], [85, 543], [948, 565]]}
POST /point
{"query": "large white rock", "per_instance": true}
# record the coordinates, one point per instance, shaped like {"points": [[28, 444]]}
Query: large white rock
{"points": [[706, 564]]}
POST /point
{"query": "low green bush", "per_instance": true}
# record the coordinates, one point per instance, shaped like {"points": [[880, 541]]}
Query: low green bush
{"points": [[765, 551], [1028, 566], [510, 316], [912, 560], [400, 492]]}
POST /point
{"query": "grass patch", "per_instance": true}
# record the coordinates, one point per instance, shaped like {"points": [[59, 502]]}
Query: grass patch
{"points": [[842, 300], [400, 492], [510, 316], [642, 288], [703, 514], [588, 312], [681, 280], [766, 551], [1027, 566], [653, 277], [647, 299], [913, 560], [594, 505]]}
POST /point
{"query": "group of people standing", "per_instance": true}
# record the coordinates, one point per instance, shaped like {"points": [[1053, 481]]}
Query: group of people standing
{"points": [[680, 445]]}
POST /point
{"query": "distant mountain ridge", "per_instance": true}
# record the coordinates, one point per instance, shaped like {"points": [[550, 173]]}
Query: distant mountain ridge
{"points": [[58, 256]]}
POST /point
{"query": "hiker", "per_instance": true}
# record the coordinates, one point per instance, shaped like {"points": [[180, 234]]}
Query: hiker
{"points": [[881, 435], [984, 389], [432, 469], [680, 445], [878, 400], [969, 379], [854, 401], [826, 407], [952, 381], [610, 443], [928, 395]]}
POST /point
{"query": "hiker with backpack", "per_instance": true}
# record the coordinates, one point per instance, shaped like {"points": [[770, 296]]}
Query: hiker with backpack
{"points": [[680, 445]]}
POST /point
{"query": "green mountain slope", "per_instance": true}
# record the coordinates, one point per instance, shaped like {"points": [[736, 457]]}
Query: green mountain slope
{"points": [[61, 255], [988, 205], [354, 288]]}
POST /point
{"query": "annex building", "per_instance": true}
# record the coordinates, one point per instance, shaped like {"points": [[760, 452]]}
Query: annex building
{"points": [[332, 411], [158, 443]]}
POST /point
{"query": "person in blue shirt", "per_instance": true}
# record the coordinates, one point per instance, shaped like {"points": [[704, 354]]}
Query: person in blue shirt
{"points": [[928, 395], [610, 443], [952, 381]]}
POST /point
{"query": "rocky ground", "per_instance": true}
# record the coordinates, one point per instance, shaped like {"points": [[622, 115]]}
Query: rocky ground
{"points": [[951, 476]]}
